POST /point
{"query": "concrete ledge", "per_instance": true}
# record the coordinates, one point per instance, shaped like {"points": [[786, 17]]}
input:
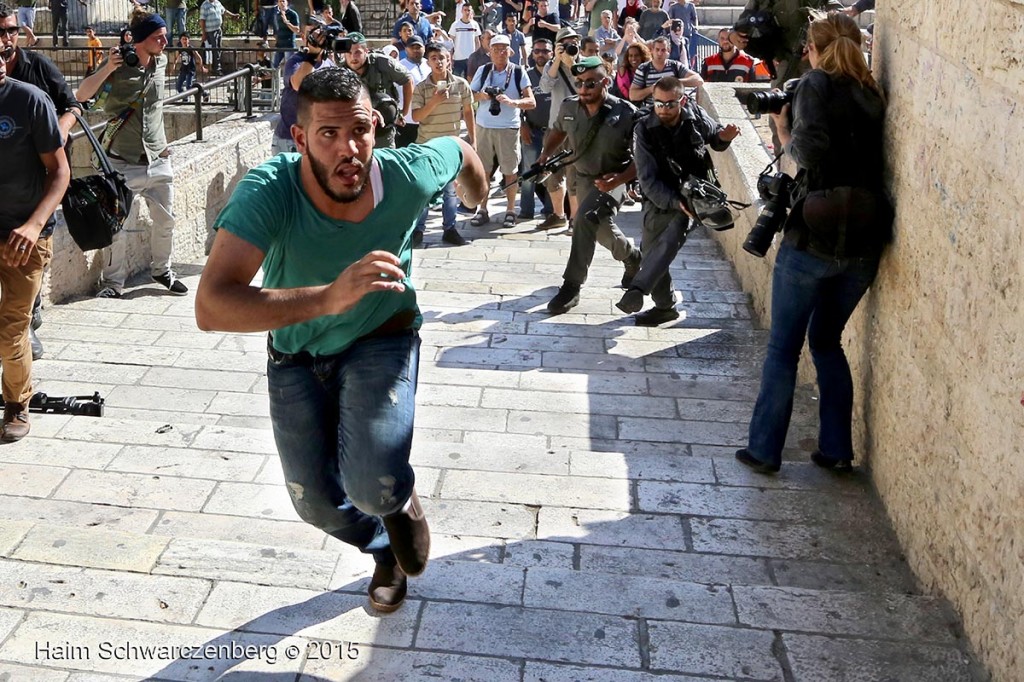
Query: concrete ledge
{"points": [[205, 174], [738, 169]]}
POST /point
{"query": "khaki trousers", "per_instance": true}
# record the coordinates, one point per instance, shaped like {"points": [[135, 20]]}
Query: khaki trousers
{"points": [[18, 289]]}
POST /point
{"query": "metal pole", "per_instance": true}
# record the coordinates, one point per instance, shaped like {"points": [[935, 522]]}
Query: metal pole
{"points": [[199, 112], [248, 90]]}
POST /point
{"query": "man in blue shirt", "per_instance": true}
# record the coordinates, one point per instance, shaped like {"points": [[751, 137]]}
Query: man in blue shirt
{"points": [[502, 90], [331, 228], [420, 23]]}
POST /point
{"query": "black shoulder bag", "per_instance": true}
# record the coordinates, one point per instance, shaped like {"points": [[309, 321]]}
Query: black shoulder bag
{"points": [[96, 206]]}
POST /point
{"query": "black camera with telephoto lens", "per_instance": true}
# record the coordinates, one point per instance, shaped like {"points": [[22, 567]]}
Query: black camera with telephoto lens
{"points": [[771, 101], [494, 108], [775, 189]]}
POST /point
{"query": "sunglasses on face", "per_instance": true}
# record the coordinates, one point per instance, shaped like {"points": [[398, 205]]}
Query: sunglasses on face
{"points": [[10, 30], [666, 105], [588, 84]]}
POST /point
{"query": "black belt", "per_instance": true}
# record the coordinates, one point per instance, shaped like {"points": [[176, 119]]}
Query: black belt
{"points": [[396, 325]]}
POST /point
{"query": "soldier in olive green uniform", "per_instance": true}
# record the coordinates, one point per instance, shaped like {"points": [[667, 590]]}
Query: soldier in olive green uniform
{"points": [[599, 127]]}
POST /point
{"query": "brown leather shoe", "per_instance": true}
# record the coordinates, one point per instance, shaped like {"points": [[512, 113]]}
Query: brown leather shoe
{"points": [[410, 537], [387, 588], [16, 424]]}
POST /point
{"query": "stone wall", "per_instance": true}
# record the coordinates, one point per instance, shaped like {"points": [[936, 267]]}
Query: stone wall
{"points": [[937, 345], [205, 174]]}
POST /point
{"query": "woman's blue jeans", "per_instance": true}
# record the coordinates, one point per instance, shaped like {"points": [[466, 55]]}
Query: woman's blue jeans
{"points": [[815, 297], [343, 426]]}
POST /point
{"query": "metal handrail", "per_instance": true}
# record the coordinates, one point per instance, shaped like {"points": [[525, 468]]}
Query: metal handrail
{"points": [[197, 91]]}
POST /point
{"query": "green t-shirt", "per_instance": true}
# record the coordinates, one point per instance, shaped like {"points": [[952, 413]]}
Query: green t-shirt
{"points": [[303, 247]]}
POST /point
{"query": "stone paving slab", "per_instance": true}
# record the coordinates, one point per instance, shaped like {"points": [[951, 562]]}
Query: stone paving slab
{"points": [[714, 650], [135, 596], [90, 547], [846, 660], [589, 521], [535, 633]]}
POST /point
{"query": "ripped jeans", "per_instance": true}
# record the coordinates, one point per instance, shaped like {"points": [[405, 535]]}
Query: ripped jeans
{"points": [[343, 427]]}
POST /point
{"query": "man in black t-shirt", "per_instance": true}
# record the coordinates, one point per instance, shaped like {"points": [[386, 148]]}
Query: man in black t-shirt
{"points": [[30, 142], [544, 24], [37, 70]]}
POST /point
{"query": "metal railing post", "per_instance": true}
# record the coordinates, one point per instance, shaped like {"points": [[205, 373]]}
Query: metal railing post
{"points": [[248, 89], [199, 111]]}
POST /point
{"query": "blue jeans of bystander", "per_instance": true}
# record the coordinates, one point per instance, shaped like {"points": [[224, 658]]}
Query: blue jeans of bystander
{"points": [[449, 208], [530, 188], [343, 426], [811, 297]]}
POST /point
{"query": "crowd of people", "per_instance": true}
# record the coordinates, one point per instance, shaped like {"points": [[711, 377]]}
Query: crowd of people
{"points": [[368, 140]]}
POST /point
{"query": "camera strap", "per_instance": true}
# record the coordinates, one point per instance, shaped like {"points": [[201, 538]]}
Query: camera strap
{"points": [[115, 124]]}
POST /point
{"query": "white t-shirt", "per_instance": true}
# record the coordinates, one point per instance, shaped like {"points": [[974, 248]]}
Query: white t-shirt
{"points": [[419, 73], [463, 33]]}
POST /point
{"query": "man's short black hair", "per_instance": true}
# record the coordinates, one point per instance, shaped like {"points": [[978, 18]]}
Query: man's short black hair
{"points": [[588, 40], [433, 47], [670, 84], [333, 84], [7, 11]]}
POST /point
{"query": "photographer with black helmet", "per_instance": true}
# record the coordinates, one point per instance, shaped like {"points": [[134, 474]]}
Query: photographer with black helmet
{"points": [[834, 236], [297, 67], [669, 145], [773, 31]]}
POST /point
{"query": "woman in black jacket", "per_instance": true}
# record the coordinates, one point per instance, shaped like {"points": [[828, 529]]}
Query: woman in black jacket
{"points": [[834, 237]]}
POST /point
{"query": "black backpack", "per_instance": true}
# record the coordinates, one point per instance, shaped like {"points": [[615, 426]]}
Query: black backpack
{"points": [[96, 206]]}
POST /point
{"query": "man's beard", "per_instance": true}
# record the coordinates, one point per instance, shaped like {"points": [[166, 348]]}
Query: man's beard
{"points": [[323, 178]]}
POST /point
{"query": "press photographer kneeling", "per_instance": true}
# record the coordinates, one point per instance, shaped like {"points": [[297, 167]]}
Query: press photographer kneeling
{"points": [[839, 223]]}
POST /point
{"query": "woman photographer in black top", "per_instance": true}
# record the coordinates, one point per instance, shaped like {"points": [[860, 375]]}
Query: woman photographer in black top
{"points": [[834, 236]]}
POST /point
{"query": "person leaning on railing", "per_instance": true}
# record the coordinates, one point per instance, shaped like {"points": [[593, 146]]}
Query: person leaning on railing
{"points": [[137, 146]]}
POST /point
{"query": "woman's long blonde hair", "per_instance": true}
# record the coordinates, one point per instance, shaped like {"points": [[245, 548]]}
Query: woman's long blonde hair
{"points": [[837, 39]]}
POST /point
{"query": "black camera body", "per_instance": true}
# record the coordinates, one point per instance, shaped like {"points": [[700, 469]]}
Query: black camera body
{"points": [[772, 101], [494, 107], [775, 189], [571, 49], [128, 54], [605, 208], [332, 36]]}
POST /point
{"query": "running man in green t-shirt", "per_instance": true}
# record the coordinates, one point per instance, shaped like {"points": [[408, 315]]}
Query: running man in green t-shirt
{"points": [[331, 228]]}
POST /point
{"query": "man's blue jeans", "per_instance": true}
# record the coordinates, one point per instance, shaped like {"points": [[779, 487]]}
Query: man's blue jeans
{"points": [[175, 18], [449, 208], [531, 152], [343, 426], [815, 297]]}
